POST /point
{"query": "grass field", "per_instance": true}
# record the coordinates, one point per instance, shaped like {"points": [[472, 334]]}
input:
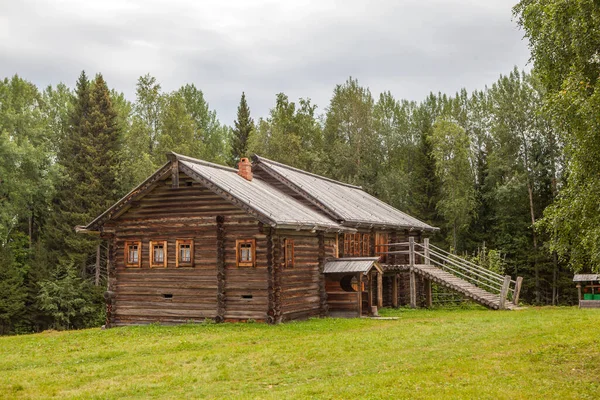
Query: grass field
{"points": [[530, 354]]}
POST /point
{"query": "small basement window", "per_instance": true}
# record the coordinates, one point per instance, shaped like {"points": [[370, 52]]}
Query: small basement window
{"points": [[158, 254], [185, 253], [133, 254], [245, 253], [288, 252]]}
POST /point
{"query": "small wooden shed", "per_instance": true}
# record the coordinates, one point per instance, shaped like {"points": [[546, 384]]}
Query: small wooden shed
{"points": [[589, 297], [353, 285]]}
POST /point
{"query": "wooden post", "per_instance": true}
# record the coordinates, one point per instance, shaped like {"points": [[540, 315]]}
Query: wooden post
{"points": [[359, 294], [395, 291], [379, 290], [97, 271], [428, 299], [413, 289], [369, 292], [504, 292], [518, 284], [220, 269], [175, 174], [411, 251], [427, 261], [112, 279], [271, 301], [579, 291], [323, 307]]}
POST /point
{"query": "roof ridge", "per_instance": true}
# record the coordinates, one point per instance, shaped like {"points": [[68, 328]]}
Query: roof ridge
{"points": [[259, 158], [202, 162]]}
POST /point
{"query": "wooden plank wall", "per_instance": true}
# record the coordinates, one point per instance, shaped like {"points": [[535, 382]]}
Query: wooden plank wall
{"points": [[300, 296], [341, 304], [187, 212]]}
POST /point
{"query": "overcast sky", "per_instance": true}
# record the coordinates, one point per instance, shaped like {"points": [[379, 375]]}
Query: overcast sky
{"points": [[300, 47]]}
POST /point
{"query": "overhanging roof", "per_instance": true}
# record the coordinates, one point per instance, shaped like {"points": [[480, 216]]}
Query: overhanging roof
{"points": [[269, 204], [280, 208], [586, 277], [349, 204], [351, 265]]}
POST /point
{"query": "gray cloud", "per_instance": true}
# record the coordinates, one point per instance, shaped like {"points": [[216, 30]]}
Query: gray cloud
{"points": [[303, 48]]}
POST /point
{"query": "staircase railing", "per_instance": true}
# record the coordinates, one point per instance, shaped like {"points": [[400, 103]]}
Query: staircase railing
{"points": [[488, 280]]}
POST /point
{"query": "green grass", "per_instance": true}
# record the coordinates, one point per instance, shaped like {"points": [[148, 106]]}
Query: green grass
{"points": [[530, 354]]}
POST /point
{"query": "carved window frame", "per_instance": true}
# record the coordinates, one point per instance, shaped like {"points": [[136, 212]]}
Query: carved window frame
{"points": [[138, 263], [238, 253], [178, 262], [159, 264]]}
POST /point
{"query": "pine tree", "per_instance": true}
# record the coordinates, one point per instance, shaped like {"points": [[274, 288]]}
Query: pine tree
{"points": [[68, 205], [244, 125], [89, 160]]}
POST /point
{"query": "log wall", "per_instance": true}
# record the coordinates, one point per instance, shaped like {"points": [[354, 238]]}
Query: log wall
{"points": [[175, 295], [302, 285], [341, 304]]}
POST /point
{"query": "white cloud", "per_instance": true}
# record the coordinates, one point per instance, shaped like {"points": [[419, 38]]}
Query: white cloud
{"points": [[302, 47]]}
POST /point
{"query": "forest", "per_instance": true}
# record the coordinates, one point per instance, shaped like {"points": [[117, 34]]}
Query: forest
{"points": [[509, 172]]}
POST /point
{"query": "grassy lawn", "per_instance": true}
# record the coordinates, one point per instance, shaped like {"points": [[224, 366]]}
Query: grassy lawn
{"points": [[529, 354]]}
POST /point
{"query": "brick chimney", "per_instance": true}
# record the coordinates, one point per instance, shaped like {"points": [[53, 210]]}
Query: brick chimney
{"points": [[245, 169]]}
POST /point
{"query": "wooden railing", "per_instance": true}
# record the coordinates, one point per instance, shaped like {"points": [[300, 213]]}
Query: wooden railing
{"points": [[490, 281]]}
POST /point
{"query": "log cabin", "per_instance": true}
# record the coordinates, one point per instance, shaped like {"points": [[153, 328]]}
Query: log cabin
{"points": [[264, 242]]}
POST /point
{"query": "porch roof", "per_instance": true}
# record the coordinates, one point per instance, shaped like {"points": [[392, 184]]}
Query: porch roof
{"points": [[586, 277], [351, 265]]}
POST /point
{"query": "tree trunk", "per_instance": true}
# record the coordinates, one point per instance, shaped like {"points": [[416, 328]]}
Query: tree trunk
{"points": [[97, 270], [454, 236], [535, 263], [30, 227], [554, 279]]}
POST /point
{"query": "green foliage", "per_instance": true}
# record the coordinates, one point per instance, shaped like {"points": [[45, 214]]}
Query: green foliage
{"points": [[242, 132], [291, 135], [451, 151], [13, 292], [564, 39], [70, 301], [349, 135]]}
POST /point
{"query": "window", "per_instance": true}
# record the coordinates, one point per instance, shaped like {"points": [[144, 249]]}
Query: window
{"points": [[185, 253], [245, 253], [158, 254], [357, 244], [133, 254], [288, 252]]}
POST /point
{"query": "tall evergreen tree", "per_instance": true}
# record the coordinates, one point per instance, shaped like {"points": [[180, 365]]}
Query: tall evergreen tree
{"points": [[244, 125], [89, 161]]}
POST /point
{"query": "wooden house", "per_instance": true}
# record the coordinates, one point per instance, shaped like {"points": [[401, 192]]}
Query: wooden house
{"points": [[264, 242]]}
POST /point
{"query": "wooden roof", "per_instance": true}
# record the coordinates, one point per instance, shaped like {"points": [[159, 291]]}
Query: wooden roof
{"points": [[351, 265], [586, 277], [346, 203], [339, 206], [280, 209]]}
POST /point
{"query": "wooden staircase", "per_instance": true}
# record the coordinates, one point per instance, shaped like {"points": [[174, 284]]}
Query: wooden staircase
{"points": [[477, 294], [483, 286]]}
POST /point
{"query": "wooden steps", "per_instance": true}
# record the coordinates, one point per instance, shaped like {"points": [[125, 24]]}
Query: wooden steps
{"points": [[461, 286]]}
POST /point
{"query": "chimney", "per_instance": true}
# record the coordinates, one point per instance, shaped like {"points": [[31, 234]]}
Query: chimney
{"points": [[245, 169]]}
